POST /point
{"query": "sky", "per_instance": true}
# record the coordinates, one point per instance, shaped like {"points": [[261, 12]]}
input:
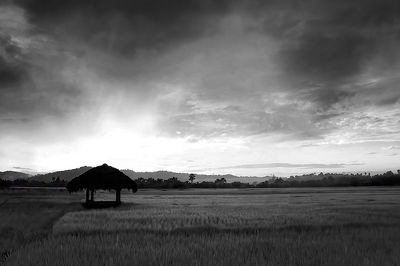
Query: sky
{"points": [[243, 87]]}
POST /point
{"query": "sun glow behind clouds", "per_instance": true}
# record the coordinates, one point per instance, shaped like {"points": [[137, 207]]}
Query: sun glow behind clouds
{"points": [[133, 145]]}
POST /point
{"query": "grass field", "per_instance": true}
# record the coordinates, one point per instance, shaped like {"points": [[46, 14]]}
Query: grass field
{"points": [[26, 216], [296, 226]]}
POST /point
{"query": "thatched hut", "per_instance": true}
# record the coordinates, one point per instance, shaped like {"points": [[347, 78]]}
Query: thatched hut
{"points": [[102, 177]]}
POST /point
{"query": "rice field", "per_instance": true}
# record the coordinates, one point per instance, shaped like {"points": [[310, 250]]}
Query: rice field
{"points": [[319, 226]]}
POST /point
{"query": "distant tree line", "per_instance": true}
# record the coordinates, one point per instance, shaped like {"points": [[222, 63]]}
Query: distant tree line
{"points": [[174, 182], [5, 183], [312, 180], [335, 180], [56, 182]]}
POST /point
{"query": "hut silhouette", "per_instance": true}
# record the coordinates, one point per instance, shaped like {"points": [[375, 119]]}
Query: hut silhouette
{"points": [[102, 177]]}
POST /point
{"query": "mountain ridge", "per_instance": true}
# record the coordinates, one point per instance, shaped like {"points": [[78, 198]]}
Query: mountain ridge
{"points": [[66, 175], [13, 175], [69, 174]]}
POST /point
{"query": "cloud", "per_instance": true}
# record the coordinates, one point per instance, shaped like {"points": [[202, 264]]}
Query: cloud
{"points": [[126, 28], [392, 147], [315, 71], [12, 70], [290, 165], [40, 87], [279, 62], [301, 166], [23, 168]]}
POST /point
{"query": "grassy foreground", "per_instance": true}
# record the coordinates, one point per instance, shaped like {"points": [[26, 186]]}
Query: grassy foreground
{"points": [[335, 246], [229, 227], [27, 216]]}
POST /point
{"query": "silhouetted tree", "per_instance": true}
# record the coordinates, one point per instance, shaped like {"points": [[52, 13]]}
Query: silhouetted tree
{"points": [[4, 183], [220, 180], [192, 177]]}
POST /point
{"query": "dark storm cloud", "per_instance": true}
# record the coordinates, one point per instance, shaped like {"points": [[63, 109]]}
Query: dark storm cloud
{"points": [[327, 40], [323, 98], [323, 41], [125, 27], [34, 91], [334, 42], [323, 49], [336, 35], [318, 58], [14, 78], [12, 70], [10, 74], [27, 89], [330, 30]]}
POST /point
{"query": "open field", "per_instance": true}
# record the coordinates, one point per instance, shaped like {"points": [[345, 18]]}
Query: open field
{"points": [[315, 226], [27, 216]]}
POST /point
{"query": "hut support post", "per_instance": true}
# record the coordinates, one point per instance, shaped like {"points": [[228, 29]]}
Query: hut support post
{"points": [[92, 195], [87, 195], [118, 196]]}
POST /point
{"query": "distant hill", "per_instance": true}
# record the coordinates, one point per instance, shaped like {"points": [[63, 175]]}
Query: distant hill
{"points": [[67, 175], [13, 175], [199, 177]]}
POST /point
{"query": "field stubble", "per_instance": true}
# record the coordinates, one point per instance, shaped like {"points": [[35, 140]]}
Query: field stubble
{"points": [[238, 227]]}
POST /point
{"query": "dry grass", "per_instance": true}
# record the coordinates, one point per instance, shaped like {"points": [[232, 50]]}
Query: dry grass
{"points": [[27, 216], [359, 226], [335, 246], [254, 210]]}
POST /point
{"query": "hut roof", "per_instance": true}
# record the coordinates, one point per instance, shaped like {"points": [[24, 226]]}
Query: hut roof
{"points": [[102, 177]]}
